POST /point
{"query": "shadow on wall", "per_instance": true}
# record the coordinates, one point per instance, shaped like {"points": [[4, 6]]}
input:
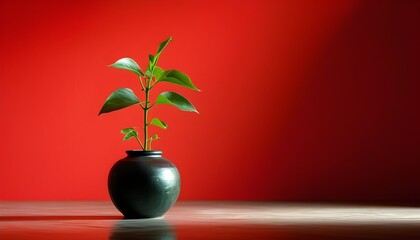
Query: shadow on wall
{"points": [[356, 120]]}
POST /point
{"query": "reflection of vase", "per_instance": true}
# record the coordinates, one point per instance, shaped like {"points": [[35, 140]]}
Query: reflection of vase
{"points": [[143, 184], [142, 229]]}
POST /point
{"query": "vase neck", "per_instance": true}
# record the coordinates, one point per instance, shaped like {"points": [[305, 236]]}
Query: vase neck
{"points": [[141, 153]]}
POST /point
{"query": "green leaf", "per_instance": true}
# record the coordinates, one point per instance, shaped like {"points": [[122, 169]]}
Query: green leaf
{"points": [[158, 72], [128, 64], [151, 58], [152, 62], [131, 134], [179, 78], [148, 73], [155, 137], [120, 98], [176, 100], [158, 123], [163, 45], [127, 130], [154, 59]]}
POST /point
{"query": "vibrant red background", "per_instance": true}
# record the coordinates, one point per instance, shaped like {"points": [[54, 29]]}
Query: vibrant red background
{"points": [[301, 100]]}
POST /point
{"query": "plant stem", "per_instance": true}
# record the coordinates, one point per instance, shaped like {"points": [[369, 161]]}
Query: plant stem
{"points": [[145, 130], [141, 82], [147, 142], [138, 140]]}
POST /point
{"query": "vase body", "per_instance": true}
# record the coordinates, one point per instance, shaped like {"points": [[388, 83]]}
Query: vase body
{"points": [[143, 184]]}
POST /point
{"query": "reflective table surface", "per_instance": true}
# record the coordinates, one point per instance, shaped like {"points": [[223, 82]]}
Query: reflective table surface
{"points": [[210, 220]]}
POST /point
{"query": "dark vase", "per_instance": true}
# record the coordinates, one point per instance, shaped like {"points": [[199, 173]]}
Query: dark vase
{"points": [[143, 184]]}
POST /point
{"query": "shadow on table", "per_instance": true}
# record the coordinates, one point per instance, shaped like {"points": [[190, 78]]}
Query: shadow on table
{"points": [[156, 228], [159, 229]]}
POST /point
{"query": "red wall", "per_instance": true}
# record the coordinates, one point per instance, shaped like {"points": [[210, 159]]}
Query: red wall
{"points": [[301, 100]]}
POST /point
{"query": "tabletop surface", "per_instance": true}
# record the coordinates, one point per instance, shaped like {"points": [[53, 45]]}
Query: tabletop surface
{"points": [[210, 220]]}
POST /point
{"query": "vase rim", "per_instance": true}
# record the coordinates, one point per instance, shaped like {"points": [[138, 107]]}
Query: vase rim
{"points": [[143, 153]]}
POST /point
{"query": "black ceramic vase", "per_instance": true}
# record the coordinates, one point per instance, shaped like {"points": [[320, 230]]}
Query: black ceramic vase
{"points": [[143, 184]]}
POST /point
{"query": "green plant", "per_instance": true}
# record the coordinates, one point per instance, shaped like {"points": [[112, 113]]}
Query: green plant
{"points": [[125, 97]]}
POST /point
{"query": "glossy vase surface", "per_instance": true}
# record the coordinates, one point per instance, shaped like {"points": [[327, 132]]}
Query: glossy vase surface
{"points": [[143, 184]]}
